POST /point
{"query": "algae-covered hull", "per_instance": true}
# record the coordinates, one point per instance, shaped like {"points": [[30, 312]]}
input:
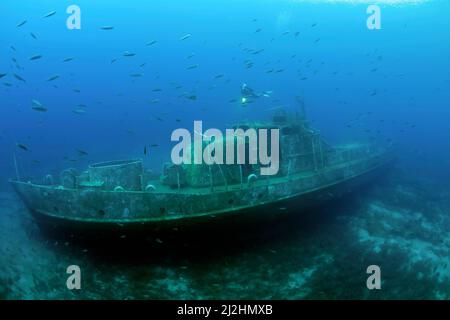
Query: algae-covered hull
{"points": [[100, 211]]}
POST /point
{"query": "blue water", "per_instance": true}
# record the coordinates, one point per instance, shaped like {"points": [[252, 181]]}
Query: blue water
{"points": [[388, 85]]}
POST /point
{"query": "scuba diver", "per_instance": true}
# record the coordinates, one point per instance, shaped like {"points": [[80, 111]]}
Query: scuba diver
{"points": [[248, 94]]}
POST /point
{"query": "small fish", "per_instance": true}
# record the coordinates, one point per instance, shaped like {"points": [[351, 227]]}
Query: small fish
{"points": [[258, 30], [154, 145], [187, 36], [142, 65], [2, 75], [113, 60], [285, 33], [19, 77], [194, 66], [21, 23], [157, 90], [79, 111], [22, 146], [68, 59], [13, 48], [36, 57], [51, 13], [191, 97], [136, 75], [107, 28], [77, 90], [145, 150], [53, 78], [313, 25], [7, 84], [39, 108], [151, 43], [218, 76], [33, 35], [128, 54], [82, 152]]}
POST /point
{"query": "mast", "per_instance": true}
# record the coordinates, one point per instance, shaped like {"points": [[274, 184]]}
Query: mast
{"points": [[15, 166]]}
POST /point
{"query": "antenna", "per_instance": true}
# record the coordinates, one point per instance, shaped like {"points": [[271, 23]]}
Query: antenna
{"points": [[301, 103], [15, 166]]}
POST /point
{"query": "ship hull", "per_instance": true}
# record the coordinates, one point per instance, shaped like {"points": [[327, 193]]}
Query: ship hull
{"points": [[287, 205]]}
